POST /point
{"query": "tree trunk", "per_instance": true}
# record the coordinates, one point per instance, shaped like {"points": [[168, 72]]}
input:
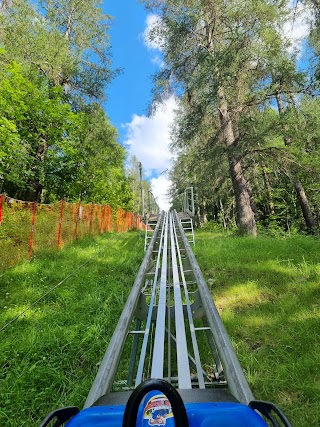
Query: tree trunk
{"points": [[35, 186], [198, 217], [222, 213], [205, 214], [245, 215], [303, 201], [297, 184], [252, 201], [69, 24], [284, 126]]}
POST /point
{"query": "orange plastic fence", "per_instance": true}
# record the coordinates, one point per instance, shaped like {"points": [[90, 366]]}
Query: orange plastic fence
{"points": [[28, 227]]}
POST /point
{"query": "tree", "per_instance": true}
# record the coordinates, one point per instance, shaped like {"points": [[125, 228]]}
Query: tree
{"points": [[218, 52], [92, 169], [67, 41], [49, 151], [39, 47], [297, 184], [57, 141], [38, 120], [229, 61], [84, 27]]}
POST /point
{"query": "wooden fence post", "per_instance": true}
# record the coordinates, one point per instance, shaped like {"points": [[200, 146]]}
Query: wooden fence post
{"points": [[119, 220], [109, 224], [33, 218]]}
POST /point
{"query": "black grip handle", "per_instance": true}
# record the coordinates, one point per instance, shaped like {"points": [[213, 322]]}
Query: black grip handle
{"points": [[266, 409], [61, 416], [177, 405]]}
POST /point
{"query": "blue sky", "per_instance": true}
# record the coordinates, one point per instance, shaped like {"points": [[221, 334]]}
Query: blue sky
{"points": [[130, 94]]}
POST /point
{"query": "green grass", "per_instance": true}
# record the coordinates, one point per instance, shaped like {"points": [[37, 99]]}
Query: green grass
{"points": [[49, 357], [267, 291]]}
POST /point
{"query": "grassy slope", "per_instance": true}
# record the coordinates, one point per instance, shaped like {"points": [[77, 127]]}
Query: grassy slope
{"points": [[49, 357], [267, 291]]}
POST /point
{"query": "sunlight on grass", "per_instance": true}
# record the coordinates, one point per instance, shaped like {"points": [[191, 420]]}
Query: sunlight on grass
{"points": [[267, 291], [306, 315], [242, 294]]}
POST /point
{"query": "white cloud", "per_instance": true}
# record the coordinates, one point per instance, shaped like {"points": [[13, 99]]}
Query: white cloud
{"points": [[297, 27], [148, 138], [151, 40], [160, 188], [157, 60]]}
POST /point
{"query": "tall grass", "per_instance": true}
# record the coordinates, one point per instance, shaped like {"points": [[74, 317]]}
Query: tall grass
{"points": [[49, 357], [267, 291]]}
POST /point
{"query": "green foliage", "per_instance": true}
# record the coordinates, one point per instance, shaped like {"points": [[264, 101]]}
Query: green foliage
{"points": [[215, 227], [67, 42], [84, 27], [39, 48], [56, 141]]}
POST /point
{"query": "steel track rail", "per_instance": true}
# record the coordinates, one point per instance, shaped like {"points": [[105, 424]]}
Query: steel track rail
{"points": [[103, 381], [151, 305], [171, 280], [184, 377], [196, 353], [158, 348], [236, 380]]}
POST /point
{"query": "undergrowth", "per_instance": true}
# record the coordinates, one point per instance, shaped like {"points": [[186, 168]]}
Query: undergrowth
{"points": [[49, 356], [267, 291]]}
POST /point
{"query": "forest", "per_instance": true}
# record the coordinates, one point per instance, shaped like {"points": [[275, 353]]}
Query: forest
{"points": [[247, 132], [56, 140]]}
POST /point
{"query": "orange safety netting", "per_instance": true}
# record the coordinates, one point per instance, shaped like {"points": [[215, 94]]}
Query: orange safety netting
{"points": [[28, 227], [128, 221]]}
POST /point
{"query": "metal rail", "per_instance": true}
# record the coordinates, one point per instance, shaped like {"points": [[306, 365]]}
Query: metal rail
{"points": [[188, 201], [169, 306], [158, 347], [103, 381], [236, 380]]}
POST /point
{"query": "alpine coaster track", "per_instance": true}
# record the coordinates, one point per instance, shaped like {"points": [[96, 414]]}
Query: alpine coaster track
{"points": [[182, 365]]}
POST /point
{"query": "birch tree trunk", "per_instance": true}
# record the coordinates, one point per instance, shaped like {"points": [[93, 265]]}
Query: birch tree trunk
{"points": [[205, 213]]}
